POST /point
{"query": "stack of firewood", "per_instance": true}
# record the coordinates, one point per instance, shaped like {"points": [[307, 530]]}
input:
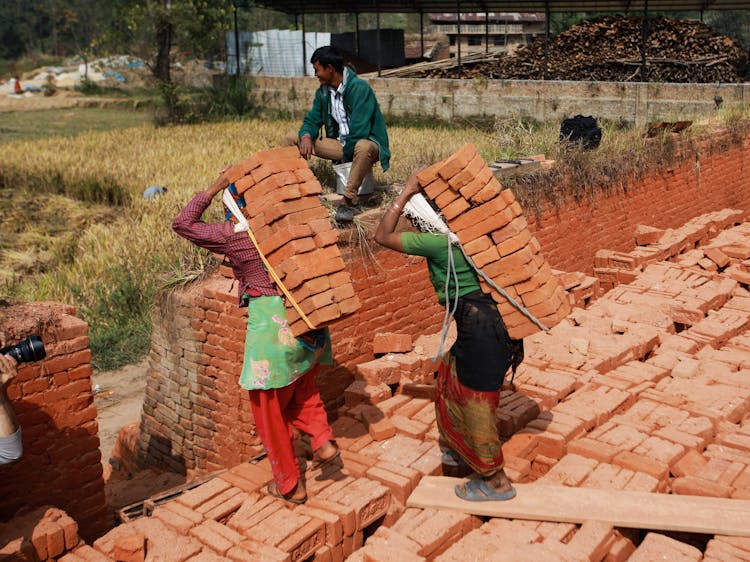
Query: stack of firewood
{"points": [[609, 49]]}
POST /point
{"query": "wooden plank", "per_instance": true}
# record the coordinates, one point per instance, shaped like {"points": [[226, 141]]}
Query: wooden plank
{"points": [[638, 510]]}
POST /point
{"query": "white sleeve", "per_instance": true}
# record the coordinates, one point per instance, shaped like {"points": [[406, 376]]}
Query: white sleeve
{"points": [[11, 447]]}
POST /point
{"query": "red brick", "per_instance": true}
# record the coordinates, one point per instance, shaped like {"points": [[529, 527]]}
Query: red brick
{"points": [[639, 463], [694, 486], [435, 188], [429, 174], [480, 181], [457, 162], [130, 548], [488, 192], [389, 342], [446, 197], [455, 209], [471, 170]]}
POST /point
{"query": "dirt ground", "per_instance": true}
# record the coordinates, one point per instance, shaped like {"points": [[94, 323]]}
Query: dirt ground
{"points": [[118, 396]]}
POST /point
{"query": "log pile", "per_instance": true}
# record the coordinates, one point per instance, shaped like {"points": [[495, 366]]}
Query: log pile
{"points": [[608, 48], [294, 233], [491, 227]]}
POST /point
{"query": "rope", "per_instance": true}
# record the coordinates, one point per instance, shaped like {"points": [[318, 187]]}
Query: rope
{"points": [[451, 270], [234, 209], [281, 286]]}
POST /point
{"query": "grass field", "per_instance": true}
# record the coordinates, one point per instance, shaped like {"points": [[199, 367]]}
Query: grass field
{"points": [[75, 228], [29, 125]]}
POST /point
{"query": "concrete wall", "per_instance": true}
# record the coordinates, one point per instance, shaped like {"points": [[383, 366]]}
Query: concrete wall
{"points": [[61, 463], [633, 102]]}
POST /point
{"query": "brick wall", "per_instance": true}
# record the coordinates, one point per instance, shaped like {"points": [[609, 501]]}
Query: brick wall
{"points": [[52, 398], [195, 415], [571, 236]]}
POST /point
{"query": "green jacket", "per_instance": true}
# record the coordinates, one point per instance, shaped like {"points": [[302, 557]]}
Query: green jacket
{"points": [[365, 119]]}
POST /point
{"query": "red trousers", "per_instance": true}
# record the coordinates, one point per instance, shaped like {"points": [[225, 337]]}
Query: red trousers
{"points": [[277, 412]]}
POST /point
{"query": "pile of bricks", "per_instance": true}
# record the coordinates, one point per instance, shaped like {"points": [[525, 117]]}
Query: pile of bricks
{"points": [[45, 533], [54, 404], [293, 230], [490, 225], [654, 245]]}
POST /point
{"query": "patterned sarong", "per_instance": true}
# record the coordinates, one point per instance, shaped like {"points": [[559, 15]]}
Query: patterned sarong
{"points": [[466, 420]]}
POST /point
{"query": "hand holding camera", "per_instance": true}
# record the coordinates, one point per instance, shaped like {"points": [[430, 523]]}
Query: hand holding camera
{"points": [[27, 350]]}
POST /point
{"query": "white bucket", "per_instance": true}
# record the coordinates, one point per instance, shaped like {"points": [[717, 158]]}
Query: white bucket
{"points": [[342, 176]]}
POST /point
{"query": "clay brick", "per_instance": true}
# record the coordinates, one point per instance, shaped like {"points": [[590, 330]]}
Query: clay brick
{"points": [[479, 245], [639, 463], [288, 250], [409, 427], [480, 214], [489, 191], [455, 209], [476, 185], [660, 547], [391, 343], [487, 226], [429, 174], [282, 236], [216, 536], [446, 197], [130, 548], [435, 188], [592, 449], [466, 175], [203, 493], [457, 162], [694, 486], [326, 238], [400, 486], [490, 255], [514, 243]]}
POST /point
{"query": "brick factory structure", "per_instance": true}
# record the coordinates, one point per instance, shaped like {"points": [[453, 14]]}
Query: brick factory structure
{"points": [[643, 388]]}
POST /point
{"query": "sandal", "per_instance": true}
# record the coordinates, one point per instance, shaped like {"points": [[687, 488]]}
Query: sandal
{"points": [[273, 490], [318, 462], [478, 490]]}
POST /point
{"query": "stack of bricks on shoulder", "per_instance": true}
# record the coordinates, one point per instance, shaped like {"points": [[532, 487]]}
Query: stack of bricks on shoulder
{"points": [[294, 232]]}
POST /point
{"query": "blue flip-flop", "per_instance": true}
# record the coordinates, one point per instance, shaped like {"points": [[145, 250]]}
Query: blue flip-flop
{"points": [[477, 490]]}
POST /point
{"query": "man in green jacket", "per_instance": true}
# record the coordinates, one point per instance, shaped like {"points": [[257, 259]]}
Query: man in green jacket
{"points": [[345, 106]]}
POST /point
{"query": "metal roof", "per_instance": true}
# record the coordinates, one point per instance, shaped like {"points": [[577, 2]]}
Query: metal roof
{"points": [[468, 6]]}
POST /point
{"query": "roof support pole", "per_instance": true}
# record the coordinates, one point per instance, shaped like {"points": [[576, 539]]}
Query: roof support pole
{"points": [[296, 22], [236, 39], [356, 32], [458, 37], [421, 34], [644, 37], [304, 47], [486, 33], [377, 7], [545, 72]]}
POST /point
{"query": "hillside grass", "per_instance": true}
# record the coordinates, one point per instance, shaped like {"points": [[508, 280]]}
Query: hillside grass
{"points": [[119, 250]]}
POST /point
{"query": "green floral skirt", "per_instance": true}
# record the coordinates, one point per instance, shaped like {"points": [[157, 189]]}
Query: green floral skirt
{"points": [[274, 358]]}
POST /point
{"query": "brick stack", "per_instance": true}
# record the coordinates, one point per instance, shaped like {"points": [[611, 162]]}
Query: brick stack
{"points": [[654, 245], [294, 232], [490, 224], [46, 533], [54, 403]]}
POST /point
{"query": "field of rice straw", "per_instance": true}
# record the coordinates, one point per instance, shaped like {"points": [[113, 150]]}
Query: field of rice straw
{"points": [[125, 250], [77, 230]]}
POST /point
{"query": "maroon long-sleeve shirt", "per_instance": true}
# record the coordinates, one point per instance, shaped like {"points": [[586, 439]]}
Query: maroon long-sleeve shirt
{"points": [[220, 238]]}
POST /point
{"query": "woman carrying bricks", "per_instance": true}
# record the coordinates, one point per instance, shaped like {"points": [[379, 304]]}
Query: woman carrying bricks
{"points": [[278, 369], [469, 378]]}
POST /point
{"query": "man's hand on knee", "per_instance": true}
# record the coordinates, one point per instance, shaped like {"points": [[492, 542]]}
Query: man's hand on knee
{"points": [[306, 146]]}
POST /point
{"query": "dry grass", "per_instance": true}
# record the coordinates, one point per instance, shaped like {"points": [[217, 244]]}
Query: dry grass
{"points": [[120, 249]]}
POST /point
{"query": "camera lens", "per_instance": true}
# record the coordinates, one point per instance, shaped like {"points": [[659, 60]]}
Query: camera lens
{"points": [[27, 350]]}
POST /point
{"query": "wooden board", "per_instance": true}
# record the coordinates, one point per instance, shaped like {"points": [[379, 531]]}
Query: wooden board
{"points": [[638, 510]]}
